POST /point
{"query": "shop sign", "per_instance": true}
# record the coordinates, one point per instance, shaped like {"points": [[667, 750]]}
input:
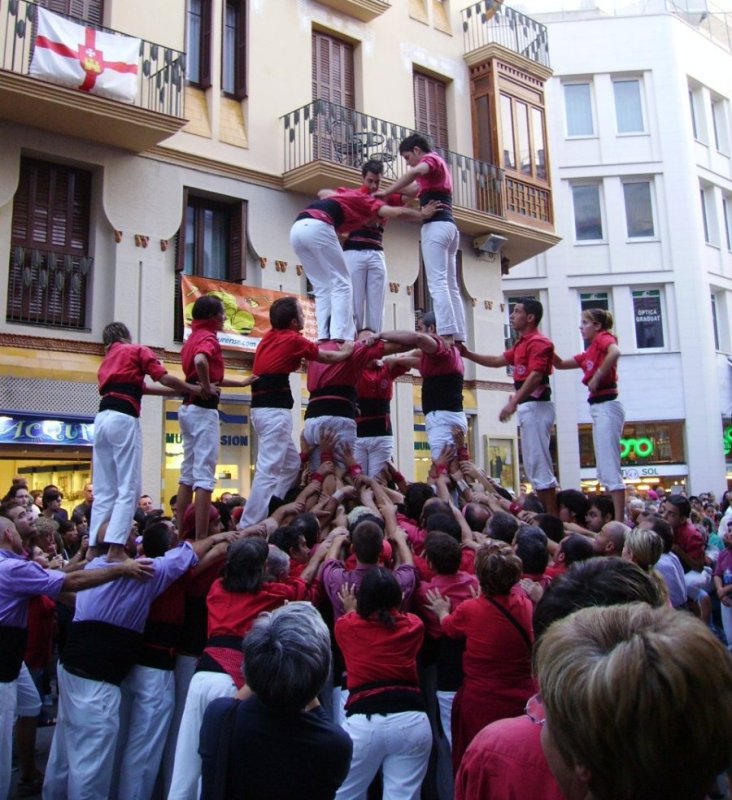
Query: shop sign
{"points": [[728, 441], [31, 430], [246, 309], [636, 448], [642, 473]]}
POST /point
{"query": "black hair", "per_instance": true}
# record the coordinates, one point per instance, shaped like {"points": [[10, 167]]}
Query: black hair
{"points": [[663, 529], [286, 538], [681, 503], [552, 526], [604, 504], [282, 312], [415, 140], [367, 539], [532, 503], [374, 166], [379, 596], [415, 497], [533, 307], [476, 516], [443, 552], [502, 526], [575, 502], [156, 539], [446, 523], [531, 549], [206, 307], [307, 524], [576, 548]]}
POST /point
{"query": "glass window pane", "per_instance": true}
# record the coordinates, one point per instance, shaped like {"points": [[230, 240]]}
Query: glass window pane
{"points": [[193, 44], [228, 78], [578, 107], [215, 244], [587, 215], [638, 209], [703, 200], [648, 318], [190, 248], [693, 114], [594, 300], [727, 222], [522, 123], [537, 125], [509, 155], [628, 106]]}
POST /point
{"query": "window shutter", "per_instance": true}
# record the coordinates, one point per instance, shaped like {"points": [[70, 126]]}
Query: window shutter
{"points": [[430, 109], [421, 123], [333, 72], [241, 51], [91, 11], [205, 66], [237, 243]]}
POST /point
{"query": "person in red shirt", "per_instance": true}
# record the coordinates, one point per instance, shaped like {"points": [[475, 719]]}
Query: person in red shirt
{"points": [[117, 455], [599, 364], [385, 711], [532, 360], [428, 177], [198, 417], [314, 238], [498, 633], [364, 254], [278, 354]]}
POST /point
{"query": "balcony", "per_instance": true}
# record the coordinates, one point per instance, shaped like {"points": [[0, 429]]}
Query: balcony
{"points": [[325, 146], [365, 10], [492, 29], [153, 115]]}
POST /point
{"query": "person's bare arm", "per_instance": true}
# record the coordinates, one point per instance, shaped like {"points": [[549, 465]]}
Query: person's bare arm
{"points": [[403, 184], [483, 360], [532, 382], [407, 214], [564, 363], [334, 356], [200, 362]]}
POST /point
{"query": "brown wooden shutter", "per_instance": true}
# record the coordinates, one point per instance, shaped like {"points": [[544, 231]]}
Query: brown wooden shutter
{"points": [[333, 72], [204, 80], [91, 11], [238, 243], [430, 109]]}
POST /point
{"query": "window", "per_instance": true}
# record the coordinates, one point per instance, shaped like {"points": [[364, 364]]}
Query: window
{"points": [[430, 109], [638, 209], [709, 215], [198, 43], [727, 221], [628, 109], [234, 62], [87, 10], [578, 109], [594, 300], [587, 212], [522, 135], [692, 108], [50, 264], [715, 321], [705, 218], [648, 319], [719, 121], [642, 443], [333, 70]]}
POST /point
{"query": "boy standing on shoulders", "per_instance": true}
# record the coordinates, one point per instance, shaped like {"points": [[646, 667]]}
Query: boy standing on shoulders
{"points": [[278, 354], [203, 364]]}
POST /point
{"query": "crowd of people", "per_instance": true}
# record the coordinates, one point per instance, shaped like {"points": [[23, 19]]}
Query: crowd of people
{"points": [[342, 632]]}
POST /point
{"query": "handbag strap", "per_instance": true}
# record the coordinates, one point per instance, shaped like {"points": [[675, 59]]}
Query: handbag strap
{"points": [[510, 617]]}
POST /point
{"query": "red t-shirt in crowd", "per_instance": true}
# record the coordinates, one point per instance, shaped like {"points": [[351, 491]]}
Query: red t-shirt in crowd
{"points": [[467, 563], [281, 351], [533, 352], [358, 208], [446, 360], [378, 381], [591, 360], [203, 340], [41, 618], [344, 373], [373, 652], [128, 364], [438, 179], [456, 588]]}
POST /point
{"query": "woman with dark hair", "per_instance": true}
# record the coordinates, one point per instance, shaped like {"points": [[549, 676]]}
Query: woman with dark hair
{"points": [[234, 601], [498, 638], [385, 711]]}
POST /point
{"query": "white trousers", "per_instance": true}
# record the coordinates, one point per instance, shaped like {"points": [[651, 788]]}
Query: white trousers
{"points": [[440, 242], [698, 583], [278, 462], [373, 452], [368, 276], [205, 687], [117, 471], [536, 420], [344, 428], [201, 435], [148, 700], [185, 666], [438, 427], [444, 704], [29, 701], [82, 752], [607, 427], [400, 742], [316, 245]]}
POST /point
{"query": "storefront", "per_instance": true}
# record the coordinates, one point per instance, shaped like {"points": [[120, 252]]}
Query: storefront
{"points": [[47, 450], [651, 454]]}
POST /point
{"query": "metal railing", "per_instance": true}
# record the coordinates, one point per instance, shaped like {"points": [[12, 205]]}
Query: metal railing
{"points": [[161, 70], [48, 288], [491, 22], [325, 131]]}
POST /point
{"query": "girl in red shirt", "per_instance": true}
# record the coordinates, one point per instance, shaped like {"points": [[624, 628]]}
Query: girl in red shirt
{"points": [[599, 365], [385, 712]]}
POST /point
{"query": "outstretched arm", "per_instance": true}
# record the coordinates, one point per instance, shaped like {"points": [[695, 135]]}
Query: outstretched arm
{"points": [[485, 361], [408, 178]]}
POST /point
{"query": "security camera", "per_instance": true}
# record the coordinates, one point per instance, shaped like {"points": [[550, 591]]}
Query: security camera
{"points": [[491, 243]]}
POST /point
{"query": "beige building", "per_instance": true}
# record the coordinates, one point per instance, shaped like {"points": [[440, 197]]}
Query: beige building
{"points": [[242, 110]]}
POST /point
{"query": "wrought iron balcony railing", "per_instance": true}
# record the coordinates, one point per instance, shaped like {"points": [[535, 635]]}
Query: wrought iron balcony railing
{"points": [[324, 131], [491, 22], [48, 288], [161, 69]]}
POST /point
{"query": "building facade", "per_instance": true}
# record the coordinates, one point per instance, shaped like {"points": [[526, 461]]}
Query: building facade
{"points": [[239, 112], [639, 122]]}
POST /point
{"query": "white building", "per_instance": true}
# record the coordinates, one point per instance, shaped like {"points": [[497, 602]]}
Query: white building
{"points": [[640, 134]]}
